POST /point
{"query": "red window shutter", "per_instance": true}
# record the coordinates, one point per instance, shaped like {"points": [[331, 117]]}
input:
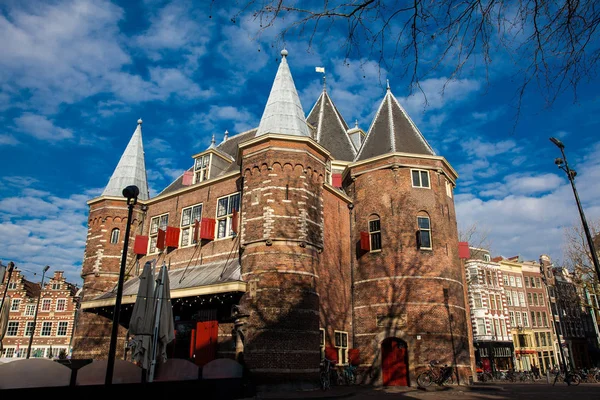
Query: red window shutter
{"points": [[364, 241], [161, 239], [140, 245], [463, 250], [196, 231], [331, 353], [207, 229], [172, 236], [336, 180], [235, 221], [354, 357], [188, 178]]}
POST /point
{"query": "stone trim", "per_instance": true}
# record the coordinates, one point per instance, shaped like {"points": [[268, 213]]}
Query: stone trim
{"points": [[408, 277]]}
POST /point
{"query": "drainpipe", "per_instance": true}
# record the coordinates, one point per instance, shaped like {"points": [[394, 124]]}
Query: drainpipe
{"points": [[351, 207]]}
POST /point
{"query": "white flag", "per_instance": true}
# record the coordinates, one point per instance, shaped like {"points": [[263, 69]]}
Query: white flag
{"points": [[320, 69]]}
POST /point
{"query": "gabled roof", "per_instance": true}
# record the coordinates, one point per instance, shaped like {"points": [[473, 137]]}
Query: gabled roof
{"points": [[331, 129], [131, 169], [393, 131], [283, 113]]}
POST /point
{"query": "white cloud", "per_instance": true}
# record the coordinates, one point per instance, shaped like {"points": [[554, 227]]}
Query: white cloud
{"points": [[482, 148], [41, 128], [8, 140], [234, 119], [438, 93]]}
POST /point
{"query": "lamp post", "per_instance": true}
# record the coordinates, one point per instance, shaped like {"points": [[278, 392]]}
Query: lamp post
{"points": [[46, 268], [130, 193], [571, 175], [11, 266]]}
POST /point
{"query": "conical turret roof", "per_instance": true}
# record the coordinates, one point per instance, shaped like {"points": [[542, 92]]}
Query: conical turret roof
{"points": [[131, 169], [393, 131], [283, 113]]}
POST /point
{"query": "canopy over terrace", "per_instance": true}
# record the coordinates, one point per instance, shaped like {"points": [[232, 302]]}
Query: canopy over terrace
{"points": [[216, 278]]}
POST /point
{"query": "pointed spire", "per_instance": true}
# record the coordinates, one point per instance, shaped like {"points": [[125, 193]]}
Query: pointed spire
{"points": [[388, 84], [131, 169], [213, 141], [283, 113], [226, 135]]}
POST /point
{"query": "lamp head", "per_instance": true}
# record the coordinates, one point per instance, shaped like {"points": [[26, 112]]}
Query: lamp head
{"points": [[557, 142], [131, 192], [559, 161], [46, 268], [11, 266]]}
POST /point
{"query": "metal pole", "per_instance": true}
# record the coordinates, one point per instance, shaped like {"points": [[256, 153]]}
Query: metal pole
{"points": [[11, 266], [37, 307], [117, 311]]}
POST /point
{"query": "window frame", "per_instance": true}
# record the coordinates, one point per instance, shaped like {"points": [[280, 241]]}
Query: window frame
{"points": [[12, 285], [477, 300], [374, 233], [480, 323], [28, 328], [30, 307], [449, 188], [115, 235], [61, 300], [12, 328], [227, 217], [322, 342], [420, 174], [46, 325], [525, 319], [202, 169], [153, 235], [427, 230], [56, 286], [189, 228], [62, 325], [46, 301], [342, 350], [14, 302]]}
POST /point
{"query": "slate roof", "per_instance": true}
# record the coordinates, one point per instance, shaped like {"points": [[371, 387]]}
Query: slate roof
{"points": [[393, 131], [283, 113], [131, 169], [331, 129]]}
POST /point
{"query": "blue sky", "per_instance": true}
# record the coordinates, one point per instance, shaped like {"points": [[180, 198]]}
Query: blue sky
{"points": [[76, 76]]}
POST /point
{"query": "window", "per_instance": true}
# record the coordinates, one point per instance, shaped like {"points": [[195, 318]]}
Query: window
{"points": [[515, 296], [28, 328], [13, 327], [56, 286], [225, 207], [544, 319], [535, 299], [10, 352], [424, 233], [543, 338], [473, 276], [341, 343], [12, 285], [46, 328], [62, 328], [499, 302], [156, 223], [519, 283], [30, 310], [533, 319], [487, 257], [375, 234], [481, 326], [541, 298], [46, 304], [420, 178], [537, 339], [492, 302], [38, 352], [477, 300], [512, 318], [61, 304], [114, 236], [189, 216], [529, 299], [508, 298], [322, 342], [525, 320], [548, 339], [519, 322], [202, 168], [538, 283], [522, 299], [505, 280], [512, 281], [526, 281], [448, 189], [14, 305]]}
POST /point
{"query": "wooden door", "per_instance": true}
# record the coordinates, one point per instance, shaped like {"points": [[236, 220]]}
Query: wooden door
{"points": [[394, 360], [205, 343]]}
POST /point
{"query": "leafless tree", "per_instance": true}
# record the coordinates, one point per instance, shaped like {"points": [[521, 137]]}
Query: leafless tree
{"points": [[577, 256], [475, 236], [553, 44]]}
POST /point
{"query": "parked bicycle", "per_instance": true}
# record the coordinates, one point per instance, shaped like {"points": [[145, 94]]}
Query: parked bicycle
{"points": [[325, 374], [348, 374], [569, 378], [439, 375]]}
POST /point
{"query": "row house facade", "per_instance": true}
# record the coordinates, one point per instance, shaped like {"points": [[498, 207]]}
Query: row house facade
{"points": [[58, 302], [298, 239], [490, 320]]}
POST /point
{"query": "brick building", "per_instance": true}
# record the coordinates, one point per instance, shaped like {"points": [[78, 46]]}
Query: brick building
{"points": [[55, 320], [300, 238]]}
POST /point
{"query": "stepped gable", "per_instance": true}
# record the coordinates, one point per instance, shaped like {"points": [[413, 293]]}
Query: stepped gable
{"points": [[331, 129], [393, 131]]}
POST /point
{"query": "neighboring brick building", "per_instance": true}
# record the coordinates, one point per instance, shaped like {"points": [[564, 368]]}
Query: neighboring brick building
{"points": [[297, 239], [55, 320]]}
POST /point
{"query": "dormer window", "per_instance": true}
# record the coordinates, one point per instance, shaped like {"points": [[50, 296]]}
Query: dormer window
{"points": [[202, 168]]}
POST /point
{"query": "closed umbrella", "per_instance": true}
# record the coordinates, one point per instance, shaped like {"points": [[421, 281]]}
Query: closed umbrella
{"points": [[141, 323], [164, 327], [4, 320]]}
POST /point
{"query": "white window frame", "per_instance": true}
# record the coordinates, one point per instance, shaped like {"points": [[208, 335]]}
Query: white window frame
{"points": [[518, 280], [115, 235], [508, 296], [342, 350], [477, 301], [12, 285], [374, 232], [487, 258], [48, 326], [10, 352], [505, 280], [512, 280], [162, 221], [515, 297], [56, 286], [202, 168], [58, 301], [420, 174], [522, 299], [63, 326], [448, 189], [28, 328], [46, 301], [227, 217], [518, 320], [13, 303], [30, 310], [525, 319], [15, 328], [427, 230], [187, 230], [322, 342], [481, 328]]}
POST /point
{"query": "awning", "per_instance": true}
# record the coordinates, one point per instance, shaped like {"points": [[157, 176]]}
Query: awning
{"points": [[210, 278]]}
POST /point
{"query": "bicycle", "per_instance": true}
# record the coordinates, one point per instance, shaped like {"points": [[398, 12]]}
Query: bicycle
{"points": [[569, 378], [325, 374], [484, 376], [348, 374], [440, 376]]}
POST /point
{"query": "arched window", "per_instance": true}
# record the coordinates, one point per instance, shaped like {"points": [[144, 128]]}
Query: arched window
{"points": [[374, 233], [424, 232], [114, 236]]}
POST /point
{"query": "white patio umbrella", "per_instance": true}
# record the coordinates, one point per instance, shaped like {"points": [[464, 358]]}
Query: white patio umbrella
{"points": [[164, 327], [142, 318], [4, 320]]}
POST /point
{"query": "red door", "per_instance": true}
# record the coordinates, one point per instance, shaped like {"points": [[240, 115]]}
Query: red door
{"points": [[394, 360], [206, 340]]}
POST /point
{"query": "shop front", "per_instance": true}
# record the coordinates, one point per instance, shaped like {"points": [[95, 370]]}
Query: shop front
{"points": [[494, 356]]}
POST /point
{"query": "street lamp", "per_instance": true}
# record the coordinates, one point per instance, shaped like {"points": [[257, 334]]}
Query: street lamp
{"points": [[130, 193], [571, 174], [46, 268]]}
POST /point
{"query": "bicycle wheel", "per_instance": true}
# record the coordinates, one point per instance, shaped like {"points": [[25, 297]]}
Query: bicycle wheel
{"points": [[424, 379], [575, 379], [325, 382]]}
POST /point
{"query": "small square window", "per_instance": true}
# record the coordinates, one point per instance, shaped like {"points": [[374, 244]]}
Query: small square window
{"points": [[46, 304], [420, 178]]}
